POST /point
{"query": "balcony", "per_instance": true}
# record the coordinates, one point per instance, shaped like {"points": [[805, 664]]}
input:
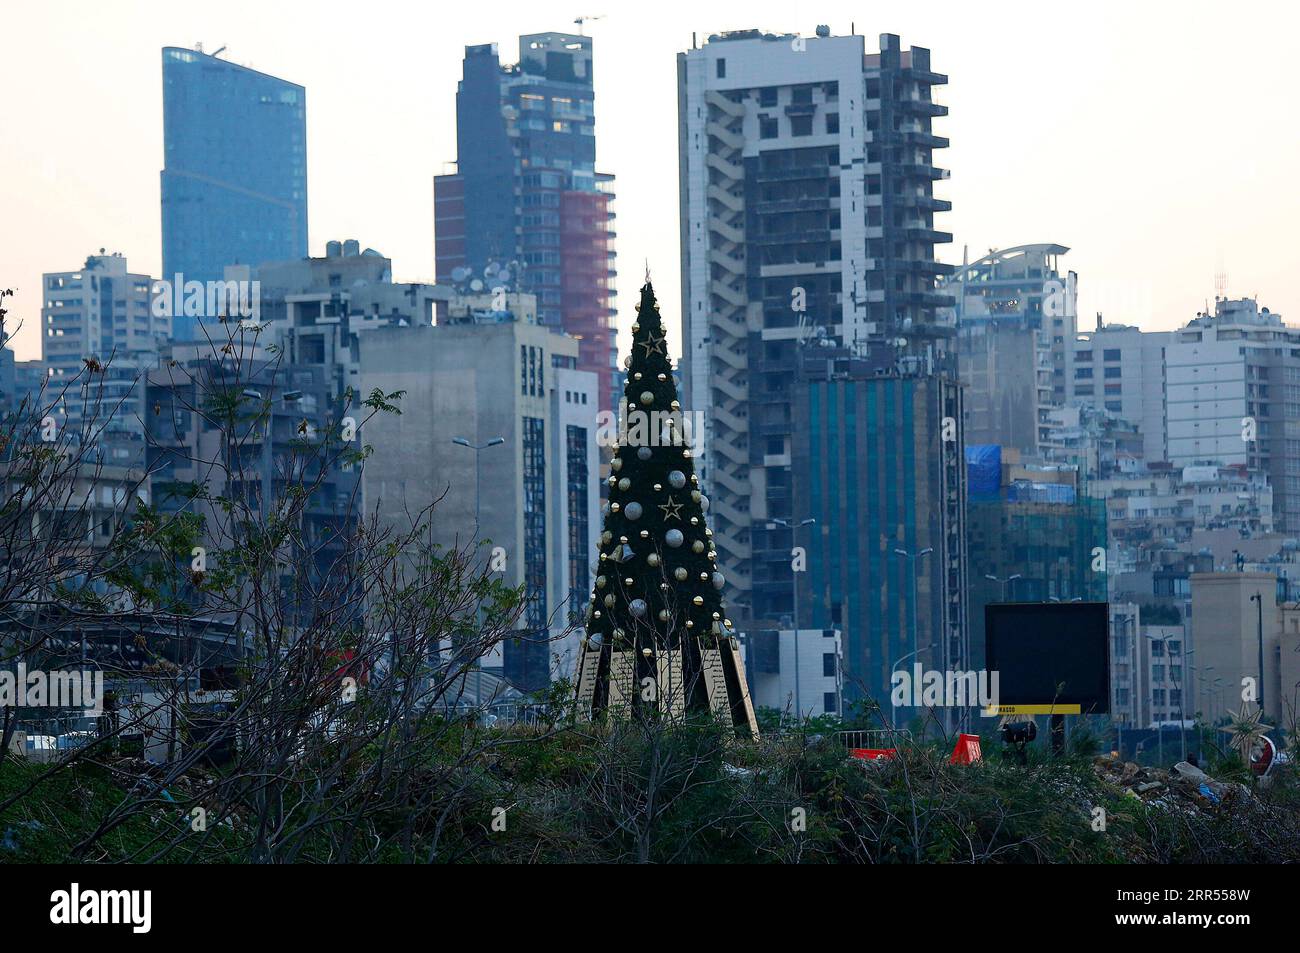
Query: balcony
{"points": [[921, 107]]}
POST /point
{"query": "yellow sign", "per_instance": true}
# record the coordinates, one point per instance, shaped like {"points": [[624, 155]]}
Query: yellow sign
{"points": [[995, 711]]}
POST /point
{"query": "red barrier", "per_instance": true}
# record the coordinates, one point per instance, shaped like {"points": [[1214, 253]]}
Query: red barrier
{"points": [[967, 750], [872, 754]]}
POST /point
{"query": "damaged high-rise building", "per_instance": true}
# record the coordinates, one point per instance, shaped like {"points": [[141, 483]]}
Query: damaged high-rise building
{"points": [[807, 211]]}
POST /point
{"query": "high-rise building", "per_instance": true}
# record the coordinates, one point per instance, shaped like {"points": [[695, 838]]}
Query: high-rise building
{"points": [[1015, 317], [234, 178], [806, 168], [101, 333], [526, 208], [1234, 397]]}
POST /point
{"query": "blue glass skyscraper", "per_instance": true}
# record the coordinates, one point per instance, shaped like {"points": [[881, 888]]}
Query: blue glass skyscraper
{"points": [[234, 179]]}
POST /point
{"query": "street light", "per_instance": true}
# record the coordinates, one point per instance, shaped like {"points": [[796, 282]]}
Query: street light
{"points": [[795, 582], [912, 559], [1003, 582], [1258, 599], [893, 709], [478, 449]]}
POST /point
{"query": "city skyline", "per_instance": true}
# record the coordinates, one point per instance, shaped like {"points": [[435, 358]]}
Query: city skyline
{"points": [[1029, 161]]}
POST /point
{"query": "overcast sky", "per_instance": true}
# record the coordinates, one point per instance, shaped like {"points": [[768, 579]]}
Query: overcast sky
{"points": [[1159, 141]]}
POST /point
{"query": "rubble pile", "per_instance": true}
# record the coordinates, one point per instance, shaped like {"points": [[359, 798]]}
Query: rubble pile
{"points": [[1185, 788]]}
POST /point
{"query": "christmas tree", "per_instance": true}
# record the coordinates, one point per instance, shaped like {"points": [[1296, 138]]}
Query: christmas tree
{"points": [[658, 637]]}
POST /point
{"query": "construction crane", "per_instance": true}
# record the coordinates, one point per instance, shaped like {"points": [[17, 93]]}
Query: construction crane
{"points": [[583, 19]]}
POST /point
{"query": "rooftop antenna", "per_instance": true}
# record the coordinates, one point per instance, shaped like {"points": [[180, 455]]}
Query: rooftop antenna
{"points": [[219, 52], [583, 19]]}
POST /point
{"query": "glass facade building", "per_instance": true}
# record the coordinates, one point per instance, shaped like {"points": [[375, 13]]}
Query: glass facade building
{"points": [[234, 178], [878, 465]]}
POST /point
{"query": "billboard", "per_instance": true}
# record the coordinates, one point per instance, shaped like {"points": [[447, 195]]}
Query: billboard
{"points": [[1051, 657]]}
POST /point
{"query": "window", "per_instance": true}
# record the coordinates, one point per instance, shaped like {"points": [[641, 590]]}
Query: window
{"points": [[1082, 373], [722, 68], [801, 125], [829, 667], [832, 123], [1113, 371], [1110, 354], [534, 506], [830, 702], [767, 96], [767, 127], [576, 453]]}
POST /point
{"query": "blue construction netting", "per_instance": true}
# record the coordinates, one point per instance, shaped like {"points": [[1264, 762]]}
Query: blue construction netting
{"points": [[983, 471]]}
